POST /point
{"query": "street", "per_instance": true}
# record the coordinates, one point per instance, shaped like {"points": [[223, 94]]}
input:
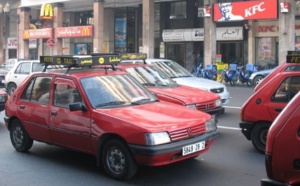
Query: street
{"points": [[231, 161]]}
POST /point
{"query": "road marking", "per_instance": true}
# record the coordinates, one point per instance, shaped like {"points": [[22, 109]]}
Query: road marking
{"points": [[230, 128], [232, 107]]}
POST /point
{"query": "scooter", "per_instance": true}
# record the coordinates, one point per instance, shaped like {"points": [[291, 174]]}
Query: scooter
{"points": [[243, 77], [199, 71], [229, 75], [210, 72]]}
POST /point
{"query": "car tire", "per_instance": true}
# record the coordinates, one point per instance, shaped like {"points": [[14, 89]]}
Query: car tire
{"points": [[259, 136], [257, 80], [19, 137], [11, 88], [118, 161]]}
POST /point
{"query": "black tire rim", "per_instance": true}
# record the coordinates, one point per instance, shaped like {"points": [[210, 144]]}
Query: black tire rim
{"points": [[263, 137], [18, 136], [115, 160]]}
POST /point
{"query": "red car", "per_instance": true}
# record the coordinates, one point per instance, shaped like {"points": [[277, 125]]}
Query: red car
{"points": [[283, 147], [165, 89], [108, 114], [261, 109], [290, 66]]}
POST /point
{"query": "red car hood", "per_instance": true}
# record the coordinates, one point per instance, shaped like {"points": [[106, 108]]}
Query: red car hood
{"points": [[188, 95], [158, 116]]}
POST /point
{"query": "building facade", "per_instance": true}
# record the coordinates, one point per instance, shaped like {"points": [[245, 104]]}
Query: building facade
{"points": [[162, 29]]}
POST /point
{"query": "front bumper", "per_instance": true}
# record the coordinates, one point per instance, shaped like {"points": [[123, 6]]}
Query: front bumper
{"points": [[270, 182], [216, 111], [169, 153], [246, 129]]}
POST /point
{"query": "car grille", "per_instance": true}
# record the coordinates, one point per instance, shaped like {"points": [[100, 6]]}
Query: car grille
{"points": [[187, 132], [206, 106], [217, 90]]}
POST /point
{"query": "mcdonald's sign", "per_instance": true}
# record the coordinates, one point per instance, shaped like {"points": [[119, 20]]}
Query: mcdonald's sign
{"points": [[26, 34], [38, 33], [47, 12], [79, 31]]}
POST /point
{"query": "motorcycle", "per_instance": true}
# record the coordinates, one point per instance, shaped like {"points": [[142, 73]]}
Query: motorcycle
{"points": [[210, 72], [243, 77], [229, 75]]}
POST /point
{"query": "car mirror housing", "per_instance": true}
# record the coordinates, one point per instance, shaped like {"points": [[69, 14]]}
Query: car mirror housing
{"points": [[77, 106]]}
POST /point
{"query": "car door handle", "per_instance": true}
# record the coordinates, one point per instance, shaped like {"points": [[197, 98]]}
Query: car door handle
{"points": [[53, 113], [22, 107], [278, 109]]}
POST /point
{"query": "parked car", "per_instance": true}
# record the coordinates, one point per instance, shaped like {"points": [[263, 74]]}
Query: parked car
{"points": [[107, 114], [166, 89], [257, 77], [19, 72], [3, 99], [181, 75], [290, 65], [4, 68], [282, 147], [261, 109]]}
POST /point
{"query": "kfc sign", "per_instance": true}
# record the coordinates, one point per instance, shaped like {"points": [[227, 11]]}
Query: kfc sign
{"points": [[250, 10]]}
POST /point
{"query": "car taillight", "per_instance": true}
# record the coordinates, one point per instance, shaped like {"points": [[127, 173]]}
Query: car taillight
{"points": [[268, 162]]}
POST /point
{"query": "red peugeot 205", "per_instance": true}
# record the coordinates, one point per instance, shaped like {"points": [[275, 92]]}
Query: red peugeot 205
{"points": [[107, 114]]}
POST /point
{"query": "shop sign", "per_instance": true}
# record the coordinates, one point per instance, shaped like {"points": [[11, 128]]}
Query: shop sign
{"points": [[197, 34], [272, 28], [47, 12], [12, 43], [38, 33], [79, 31], [32, 43], [250, 10]]}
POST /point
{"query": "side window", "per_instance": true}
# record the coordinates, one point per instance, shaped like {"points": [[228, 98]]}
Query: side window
{"points": [[287, 90], [65, 94], [26, 95], [41, 89], [23, 68], [37, 67]]}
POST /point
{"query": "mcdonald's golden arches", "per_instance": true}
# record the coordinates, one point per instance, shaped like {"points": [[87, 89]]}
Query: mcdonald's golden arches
{"points": [[47, 11]]}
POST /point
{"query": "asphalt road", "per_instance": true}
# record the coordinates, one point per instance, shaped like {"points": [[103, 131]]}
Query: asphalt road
{"points": [[231, 161]]}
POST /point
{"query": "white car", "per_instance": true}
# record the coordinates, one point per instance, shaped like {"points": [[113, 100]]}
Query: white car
{"points": [[19, 72], [184, 77]]}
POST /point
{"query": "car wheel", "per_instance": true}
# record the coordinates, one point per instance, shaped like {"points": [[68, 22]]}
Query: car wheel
{"points": [[257, 80], [19, 137], [11, 88], [118, 161], [259, 136]]}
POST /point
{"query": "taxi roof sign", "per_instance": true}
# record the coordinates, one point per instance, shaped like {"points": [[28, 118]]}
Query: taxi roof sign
{"points": [[293, 58], [80, 60], [133, 56]]}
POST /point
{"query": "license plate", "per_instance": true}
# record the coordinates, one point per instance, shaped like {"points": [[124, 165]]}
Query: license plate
{"points": [[189, 149]]}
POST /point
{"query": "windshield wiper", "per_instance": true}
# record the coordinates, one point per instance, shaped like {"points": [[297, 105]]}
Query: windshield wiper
{"points": [[139, 100], [149, 84], [111, 103]]}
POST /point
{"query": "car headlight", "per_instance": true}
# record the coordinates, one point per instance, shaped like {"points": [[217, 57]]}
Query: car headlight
{"points": [[211, 124], [192, 107], [218, 102], [157, 138]]}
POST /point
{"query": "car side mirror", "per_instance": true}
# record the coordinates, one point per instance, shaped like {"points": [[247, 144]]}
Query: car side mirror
{"points": [[77, 106]]}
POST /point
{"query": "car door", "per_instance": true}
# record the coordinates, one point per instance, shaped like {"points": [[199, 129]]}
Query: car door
{"points": [[69, 128], [34, 113], [287, 88]]}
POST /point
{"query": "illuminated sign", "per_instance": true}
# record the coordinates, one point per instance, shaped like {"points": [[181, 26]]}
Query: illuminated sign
{"points": [[38, 33], [47, 12], [78, 31], [250, 10]]}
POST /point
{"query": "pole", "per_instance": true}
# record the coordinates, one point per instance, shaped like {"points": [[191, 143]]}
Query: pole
{"points": [[1, 38]]}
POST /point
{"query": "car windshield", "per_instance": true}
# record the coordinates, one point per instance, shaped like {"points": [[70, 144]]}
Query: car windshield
{"points": [[115, 91], [173, 69], [151, 76]]}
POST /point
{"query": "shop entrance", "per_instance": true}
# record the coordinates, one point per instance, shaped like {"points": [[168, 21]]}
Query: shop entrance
{"points": [[176, 52], [231, 52]]}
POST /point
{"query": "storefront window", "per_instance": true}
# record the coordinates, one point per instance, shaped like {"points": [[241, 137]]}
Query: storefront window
{"points": [[297, 8], [266, 52], [297, 43], [178, 10], [84, 18]]}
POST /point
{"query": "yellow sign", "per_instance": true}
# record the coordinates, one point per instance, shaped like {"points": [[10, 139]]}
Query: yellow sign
{"points": [[47, 11], [85, 31], [25, 34]]}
